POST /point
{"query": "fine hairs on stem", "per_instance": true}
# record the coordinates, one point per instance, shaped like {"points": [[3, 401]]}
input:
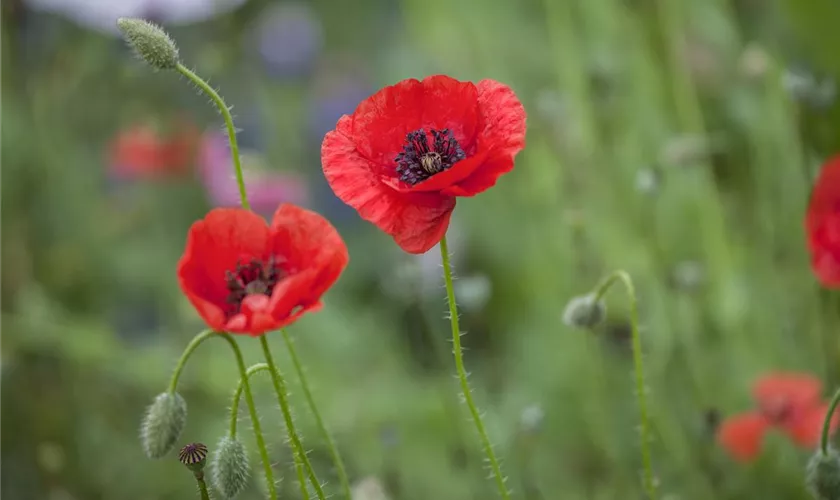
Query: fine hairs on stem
{"points": [[301, 460], [245, 387], [462, 373], [644, 425], [339, 464]]}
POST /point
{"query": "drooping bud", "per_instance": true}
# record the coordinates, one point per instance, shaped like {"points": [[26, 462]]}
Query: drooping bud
{"points": [[165, 419], [194, 456], [229, 467], [584, 312], [149, 42], [823, 475]]}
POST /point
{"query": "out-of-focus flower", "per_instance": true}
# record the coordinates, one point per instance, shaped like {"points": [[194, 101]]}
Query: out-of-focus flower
{"points": [[822, 225], [101, 15], [266, 189], [805, 87], [790, 402], [289, 38], [369, 488], [409, 150], [244, 276], [141, 152], [754, 61]]}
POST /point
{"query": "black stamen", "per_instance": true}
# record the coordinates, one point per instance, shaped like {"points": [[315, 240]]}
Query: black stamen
{"points": [[417, 162], [253, 278]]}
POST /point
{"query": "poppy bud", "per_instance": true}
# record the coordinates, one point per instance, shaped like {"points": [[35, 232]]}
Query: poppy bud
{"points": [[194, 456], [165, 419], [823, 475], [229, 468], [584, 312], [149, 42]]}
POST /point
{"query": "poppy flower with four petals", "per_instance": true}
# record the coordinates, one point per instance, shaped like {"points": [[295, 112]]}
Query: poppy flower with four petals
{"points": [[822, 225], [410, 149], [790, 402], [245, 276]]}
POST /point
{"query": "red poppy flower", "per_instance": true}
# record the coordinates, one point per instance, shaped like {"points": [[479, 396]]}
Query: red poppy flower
{"points": [[787, 401], [822, 225], [244, 276], [407, 151], [141, 152]]}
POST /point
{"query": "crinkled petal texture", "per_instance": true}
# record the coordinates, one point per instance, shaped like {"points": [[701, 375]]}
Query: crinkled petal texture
{"points": [[741, 435], [310, 251], [358, 157], [822, 225]]}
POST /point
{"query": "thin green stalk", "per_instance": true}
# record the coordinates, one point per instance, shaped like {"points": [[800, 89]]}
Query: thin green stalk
{"points": [[234, 406], [644, 428], [826, 429], [339, 464], [302, 465], [182, 362], [462, 373], [225, 111], [255, 419], [249, 398], [202, 486]]}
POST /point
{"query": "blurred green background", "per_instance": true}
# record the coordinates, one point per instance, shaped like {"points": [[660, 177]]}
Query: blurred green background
{"points": [[676, 139]]}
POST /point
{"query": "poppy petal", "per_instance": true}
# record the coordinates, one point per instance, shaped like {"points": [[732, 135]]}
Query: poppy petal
{"points": [[805, 429], [822, 224], [416, 221], [790, 390], [741, 435], [503, 115], [215, 245]]}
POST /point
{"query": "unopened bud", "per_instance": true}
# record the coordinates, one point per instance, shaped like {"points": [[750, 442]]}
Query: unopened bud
{"points": [[194, 456], [584, 312], [149, 42], [229, 468], [165, 419], [823, 475]]}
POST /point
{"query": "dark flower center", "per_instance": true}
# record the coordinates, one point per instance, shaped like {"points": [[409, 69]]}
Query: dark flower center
{"points": [[777, 411], [253, 278], [418, 161]]}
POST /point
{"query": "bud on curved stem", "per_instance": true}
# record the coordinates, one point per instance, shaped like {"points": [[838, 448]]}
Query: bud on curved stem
{"points": [[644, 427], [162, 425], [149, 42], [229, 467], [245, 387], [584, 312]]}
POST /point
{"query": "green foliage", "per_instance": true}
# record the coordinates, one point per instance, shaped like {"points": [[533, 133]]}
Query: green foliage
{"points": [[689, 93]]}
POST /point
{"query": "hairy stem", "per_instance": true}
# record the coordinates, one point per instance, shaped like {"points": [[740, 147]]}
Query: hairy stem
{"points": [[462, 373]]}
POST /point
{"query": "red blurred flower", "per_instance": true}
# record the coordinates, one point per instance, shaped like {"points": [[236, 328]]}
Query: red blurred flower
{"points": [[787, 401], [141, 152], [822, 224], [407, 151], [244, 276]]}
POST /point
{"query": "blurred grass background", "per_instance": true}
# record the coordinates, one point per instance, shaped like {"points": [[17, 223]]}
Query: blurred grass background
{"points": [[675, 139]]}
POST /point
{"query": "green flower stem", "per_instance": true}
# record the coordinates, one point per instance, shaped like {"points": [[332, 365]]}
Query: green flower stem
{"points": [[302, 464], [244, 386], [234, 406], [225, 111], [339, 464], [255, 418], [826, 430], [202, 486], [191, 347], [462, 373], [644, 428]]}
